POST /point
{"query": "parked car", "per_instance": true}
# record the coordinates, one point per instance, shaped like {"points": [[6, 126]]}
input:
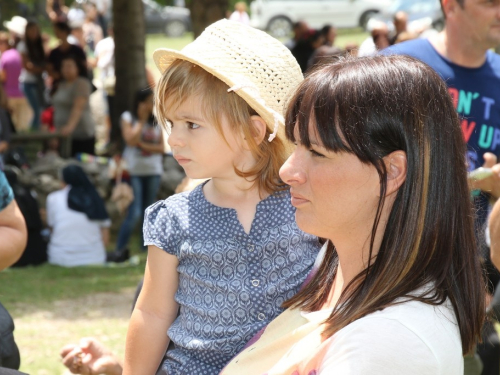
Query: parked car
{"points": [[278, 16], [417, 10], [173, 21]]}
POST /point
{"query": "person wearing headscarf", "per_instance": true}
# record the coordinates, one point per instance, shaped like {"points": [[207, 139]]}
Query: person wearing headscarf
{"points": [[79, 222]]}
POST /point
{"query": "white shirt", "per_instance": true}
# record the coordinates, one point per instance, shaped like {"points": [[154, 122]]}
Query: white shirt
{"points": [[240, 17], [412, 339], [105, 54], [75, 240], [367, 48], [25, 76]]}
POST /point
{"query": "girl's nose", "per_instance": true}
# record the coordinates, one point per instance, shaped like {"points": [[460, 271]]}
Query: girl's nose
{"points": [[175, 138]]}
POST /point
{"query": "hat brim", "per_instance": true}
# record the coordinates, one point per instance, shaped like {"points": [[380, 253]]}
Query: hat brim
{"points": [[17, 29], [164, 57]]}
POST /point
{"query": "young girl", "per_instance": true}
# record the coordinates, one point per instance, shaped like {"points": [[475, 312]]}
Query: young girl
{"points": [[33, 58], [144, 157], [224, 257]]}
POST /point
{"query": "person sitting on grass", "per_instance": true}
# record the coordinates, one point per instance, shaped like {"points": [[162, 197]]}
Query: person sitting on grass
{"points": [[79, 222]]}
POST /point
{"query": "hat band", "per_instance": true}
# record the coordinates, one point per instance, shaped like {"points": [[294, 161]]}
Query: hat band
{"points": [[277, 117]]}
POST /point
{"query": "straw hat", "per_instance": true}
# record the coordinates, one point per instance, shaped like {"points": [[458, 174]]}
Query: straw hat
{"points": [[16, 25], [256, 66]]}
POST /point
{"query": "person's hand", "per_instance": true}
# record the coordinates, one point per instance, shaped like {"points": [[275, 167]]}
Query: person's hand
{"points": [[143, 112], [490, 184], [90, 357], [66, 130]]}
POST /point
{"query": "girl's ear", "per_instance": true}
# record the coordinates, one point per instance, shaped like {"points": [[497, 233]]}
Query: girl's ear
{"points": [[396, 166], [259, 128]]}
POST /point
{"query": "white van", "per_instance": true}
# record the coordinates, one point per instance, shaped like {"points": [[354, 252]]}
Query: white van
{"points": [[278, 16]]}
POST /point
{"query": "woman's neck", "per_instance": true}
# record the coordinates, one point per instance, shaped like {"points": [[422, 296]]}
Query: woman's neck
{"points": [[65, 45], [353, 250], [71, 80]]}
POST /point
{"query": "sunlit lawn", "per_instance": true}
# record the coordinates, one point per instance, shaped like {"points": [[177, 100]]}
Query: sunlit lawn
{"points": [[53, 306]]}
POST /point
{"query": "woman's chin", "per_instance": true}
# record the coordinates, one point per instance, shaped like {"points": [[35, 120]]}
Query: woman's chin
{"points": [[305, 224]]}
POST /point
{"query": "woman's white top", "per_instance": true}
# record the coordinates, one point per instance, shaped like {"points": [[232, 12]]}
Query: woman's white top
{"points": [[412, 339], [75, 240]]}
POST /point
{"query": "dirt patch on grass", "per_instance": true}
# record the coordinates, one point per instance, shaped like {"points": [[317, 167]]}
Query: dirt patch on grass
{"points": [[41, 333]]}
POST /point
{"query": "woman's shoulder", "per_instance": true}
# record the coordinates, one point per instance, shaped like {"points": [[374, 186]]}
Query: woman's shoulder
{"points": [[83, 81], [411, 333], [432, 324], [127, 116], [58, 194]]}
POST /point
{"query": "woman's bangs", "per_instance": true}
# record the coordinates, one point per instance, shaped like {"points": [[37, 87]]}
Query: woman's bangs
{"points": [[310, 106]]}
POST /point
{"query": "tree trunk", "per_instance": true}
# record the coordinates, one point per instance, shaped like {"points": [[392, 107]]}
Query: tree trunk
{"points": [[206, 12], [130, 62]]}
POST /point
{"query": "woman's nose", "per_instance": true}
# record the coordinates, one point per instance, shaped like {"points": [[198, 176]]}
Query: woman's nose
{"points": [[292, 172]]}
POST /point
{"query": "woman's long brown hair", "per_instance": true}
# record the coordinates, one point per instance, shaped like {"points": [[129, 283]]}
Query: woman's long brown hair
{"points": [[371, 107]]}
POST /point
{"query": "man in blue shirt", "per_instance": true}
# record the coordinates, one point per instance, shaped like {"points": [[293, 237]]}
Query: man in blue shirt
{"points": [[462, 55]]}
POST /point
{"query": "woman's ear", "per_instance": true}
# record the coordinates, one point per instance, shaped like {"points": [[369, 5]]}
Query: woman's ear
{"points": [[259, 128], [396, 166]]}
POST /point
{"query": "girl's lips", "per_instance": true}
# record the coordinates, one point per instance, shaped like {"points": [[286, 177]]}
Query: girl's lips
{"points": [[181, 160]]}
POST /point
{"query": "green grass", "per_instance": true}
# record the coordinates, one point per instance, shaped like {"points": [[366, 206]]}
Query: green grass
{"points": [[40, 287], [54, 306], [155, 41]]}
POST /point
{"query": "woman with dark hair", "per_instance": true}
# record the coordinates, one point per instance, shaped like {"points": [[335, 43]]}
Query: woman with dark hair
{"points": [[72, 116], [305, 48], [79, 221], [63, 50], [34, 61], [379, 171], [143, 155]]}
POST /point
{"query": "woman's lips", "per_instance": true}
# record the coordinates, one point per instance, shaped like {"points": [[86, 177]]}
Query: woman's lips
{"points": [[298, 200]]}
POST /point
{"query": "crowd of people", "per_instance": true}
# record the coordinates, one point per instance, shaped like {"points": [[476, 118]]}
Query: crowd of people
{"points": [[342, 217], [313, 47], [41, 89]]}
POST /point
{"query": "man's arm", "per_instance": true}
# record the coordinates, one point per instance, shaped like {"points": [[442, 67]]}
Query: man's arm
{"points": [[13, 234]]}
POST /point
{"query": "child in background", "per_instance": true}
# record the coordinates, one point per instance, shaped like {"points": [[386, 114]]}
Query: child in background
{"points": [[240, 13], [229, 253]]}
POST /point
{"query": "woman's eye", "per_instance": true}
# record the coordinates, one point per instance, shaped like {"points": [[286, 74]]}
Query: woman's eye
{"points": [[316, 154], [192, 125]]}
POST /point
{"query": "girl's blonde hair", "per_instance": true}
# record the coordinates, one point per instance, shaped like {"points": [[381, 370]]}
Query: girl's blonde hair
{"points": [[184, 79]]}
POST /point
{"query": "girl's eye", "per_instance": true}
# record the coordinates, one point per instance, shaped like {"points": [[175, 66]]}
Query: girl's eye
{"points": [[316, 154], [192, 125]]}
